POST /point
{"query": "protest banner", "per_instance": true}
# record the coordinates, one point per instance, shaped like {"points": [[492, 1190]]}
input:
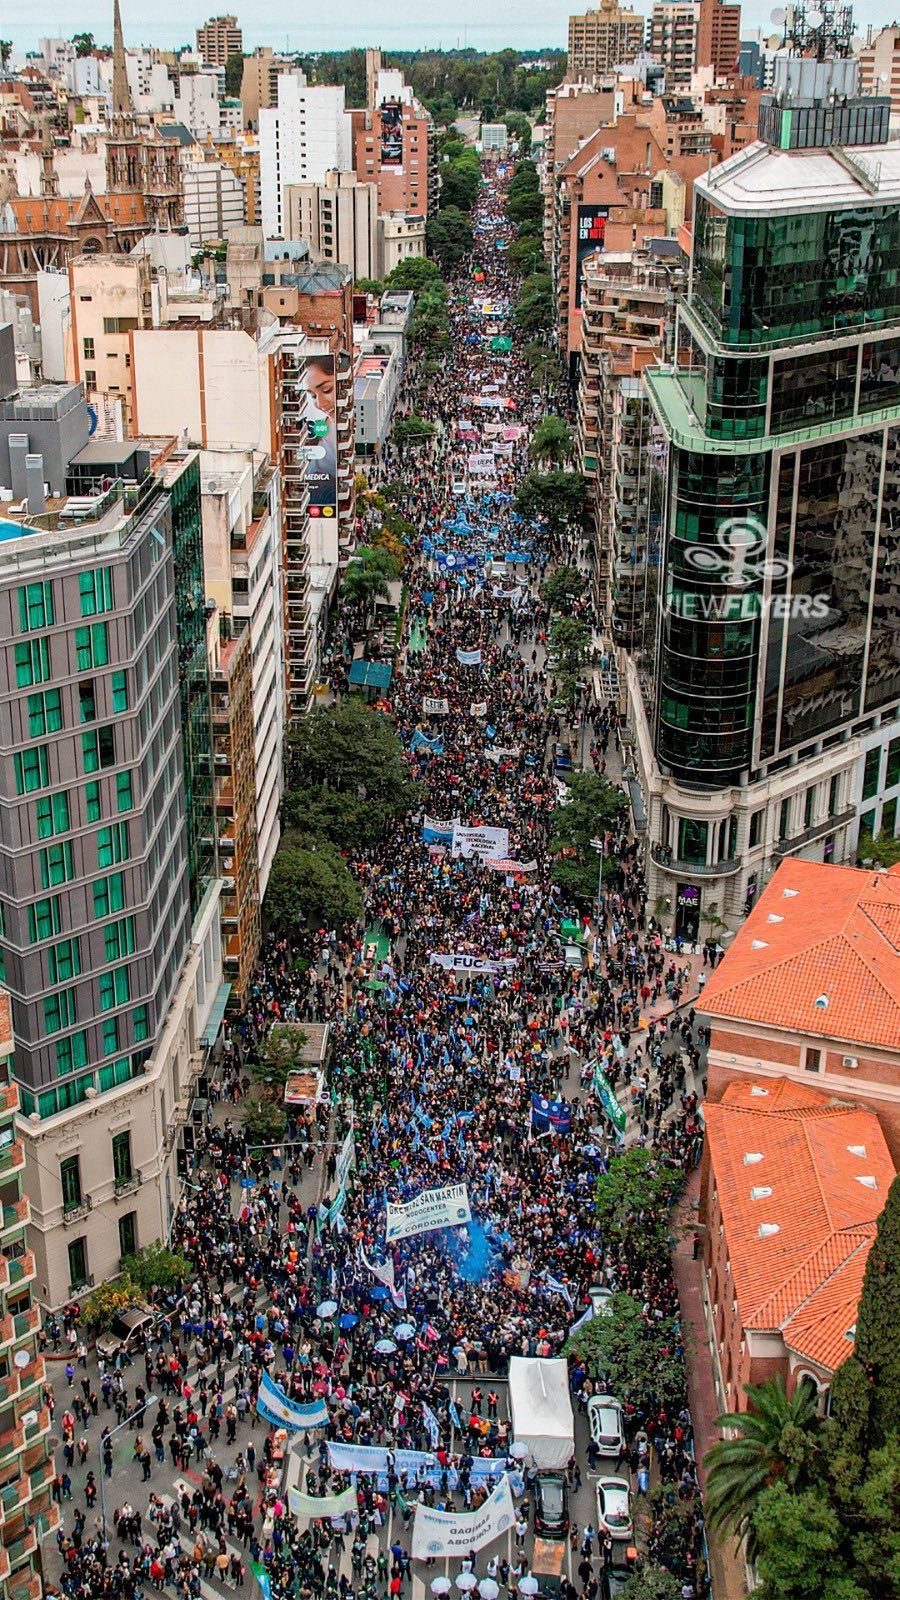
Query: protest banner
{"points": [[480, 840], [462, 961], [433, 1208], [322, 1505], [434, 706], [444, 1533], [603, 1088], [469, 658]]}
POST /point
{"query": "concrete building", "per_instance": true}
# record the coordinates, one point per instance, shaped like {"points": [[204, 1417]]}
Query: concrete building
{"points": [[494, 138], [393, 144], [601, 40], [795, 996], [762, 716], [259, 83], [719, 37], [307, 134], [879, 66], [792, 1187], [218, 39], [672, 40], [214, 201], [107, 850], [26, 1462], [339, 220]]}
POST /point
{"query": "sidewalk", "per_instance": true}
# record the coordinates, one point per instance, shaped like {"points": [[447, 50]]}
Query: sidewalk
{"points": [[726, 1566]]}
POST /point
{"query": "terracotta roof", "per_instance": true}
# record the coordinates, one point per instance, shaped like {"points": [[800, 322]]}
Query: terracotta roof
{"points": [[818, 933], [801, 1181]]}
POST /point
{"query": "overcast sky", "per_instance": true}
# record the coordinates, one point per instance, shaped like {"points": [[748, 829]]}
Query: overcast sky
{"points": [[398, 24]]}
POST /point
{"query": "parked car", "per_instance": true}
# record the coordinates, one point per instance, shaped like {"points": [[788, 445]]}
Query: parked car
{"points": [[614, 1508], [126, 1330], [551, 1505], [604, 1416], [601, 1300]]}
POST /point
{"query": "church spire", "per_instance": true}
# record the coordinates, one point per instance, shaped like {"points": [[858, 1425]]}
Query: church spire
{"points": [[121, 94]]}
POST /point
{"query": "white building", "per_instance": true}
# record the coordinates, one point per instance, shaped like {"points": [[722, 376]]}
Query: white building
{"points": [[214, 201], [306, 135]]}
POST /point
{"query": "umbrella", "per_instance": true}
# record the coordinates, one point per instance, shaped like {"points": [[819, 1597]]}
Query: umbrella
{"points": [[348, 1320], [404, 1330], [488, 1589], [466, 1580], [327, 1308], [379, 1292], [385, 1347], [528, 1584], [441, 1585], [518, 1453]]}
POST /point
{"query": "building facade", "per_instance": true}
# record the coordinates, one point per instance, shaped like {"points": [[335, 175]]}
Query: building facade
{"points": [[307, 134], [766, 681], [672, 40], [218, 39], [601, 40], [719, 37]]}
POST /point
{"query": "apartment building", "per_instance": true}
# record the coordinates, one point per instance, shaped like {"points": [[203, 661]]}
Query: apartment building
{"points": [[308, 133], [719, 37], [601, 40], [394, 147], [259, 82], [214, 201], [218, 39], [672, 40], [767, 703], [339, 220], [879, 66]]}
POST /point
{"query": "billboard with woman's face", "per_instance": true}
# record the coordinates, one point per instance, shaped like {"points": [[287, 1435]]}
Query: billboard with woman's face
{"points": [[321, 439]]}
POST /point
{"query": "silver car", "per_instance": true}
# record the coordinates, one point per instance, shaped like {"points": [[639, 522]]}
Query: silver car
{"points": [[614, 1508], [604, 1416]]}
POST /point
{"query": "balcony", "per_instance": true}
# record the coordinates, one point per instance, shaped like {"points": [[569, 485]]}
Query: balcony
{"points": [[819, 830], [127, 1185], [25, 1586], [12, 1159], [692, 869], [12, 1498], [76, 1210], [19, 1269], [15, 1216]]}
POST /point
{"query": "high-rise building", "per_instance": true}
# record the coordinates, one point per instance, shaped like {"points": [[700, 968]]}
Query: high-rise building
{"points": [[719, 37], [259, 82], [601, 40], [307, 134], [394, 147], [766, 688], [672, 40], [218, 39], [26, 1462], [879, 65]]}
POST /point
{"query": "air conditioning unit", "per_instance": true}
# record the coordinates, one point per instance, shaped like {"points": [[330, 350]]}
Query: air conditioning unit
{"points": [[850, 1062]]}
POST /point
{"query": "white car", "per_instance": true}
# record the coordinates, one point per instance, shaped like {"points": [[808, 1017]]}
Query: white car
{"points": [[614, 1508], [601, 1299], [604, 1416]]}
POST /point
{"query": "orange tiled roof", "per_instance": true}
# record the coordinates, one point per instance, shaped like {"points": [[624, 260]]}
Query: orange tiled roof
{"points": [[801, 1181], [817, 932]]}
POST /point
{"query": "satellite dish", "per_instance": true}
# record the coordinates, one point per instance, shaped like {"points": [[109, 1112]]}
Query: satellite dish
{"points": [[815, 18], [774, 41], [779, 16]]}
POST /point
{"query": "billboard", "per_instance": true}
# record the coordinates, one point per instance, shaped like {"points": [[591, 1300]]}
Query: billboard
{"points": [[320, 449], [391, 133], [591, 233]]}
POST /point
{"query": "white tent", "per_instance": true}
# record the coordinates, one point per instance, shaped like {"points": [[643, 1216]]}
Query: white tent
{"points": [[541, 1410]]}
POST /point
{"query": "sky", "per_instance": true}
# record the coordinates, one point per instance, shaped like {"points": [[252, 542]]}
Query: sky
{"points": [[400, 24]]}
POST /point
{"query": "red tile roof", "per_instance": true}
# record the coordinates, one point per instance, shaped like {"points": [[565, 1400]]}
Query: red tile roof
{"points": [[801, 1181], [818, 933]]}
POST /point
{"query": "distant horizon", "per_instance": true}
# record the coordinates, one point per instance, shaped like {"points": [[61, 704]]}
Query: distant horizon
{"points": [[520, 25]]}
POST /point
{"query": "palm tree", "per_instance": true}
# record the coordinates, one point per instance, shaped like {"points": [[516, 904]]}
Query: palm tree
{"points": [[551, 444], [776, 1439]]}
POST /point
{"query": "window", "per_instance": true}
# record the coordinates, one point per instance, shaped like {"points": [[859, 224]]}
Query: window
{"points": [[692, 839], [870, 773], [95, 590], [119, 691], [833, 795], [32, 769], [784, 819], [109, 895], [87, 700], [36, 606], [44, 919], [44, 713], [78, 1271], [92, 647], [59, 1010], [115, 1073], [889, 818], [813, 1060], [808, 807], [110, 1036], [64, 961], [70, 1179], [32, 662], [124, 797], [92, 802], [115, 988], [57, 864], [98, 749], [119, 324], [71, 1054], [52, 814], [128, 1234], [88, 345], [119, 939], [90, 378], [756, 822], [112, 845], [892, 775], [141, 1021], [121, 1154]]}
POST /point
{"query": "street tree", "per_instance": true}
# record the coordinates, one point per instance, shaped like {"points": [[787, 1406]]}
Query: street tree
{"points": [[778, 1438], [595, 807], [346, 775], [558, 498], [448, 235], [798, 1540], [367, 579], [413, 429], [551, 442], [650, 1582], [570, 642], [533, 312], [563, 588], [865, 1393], [628, 1354], [310, 882], [415, 273]]}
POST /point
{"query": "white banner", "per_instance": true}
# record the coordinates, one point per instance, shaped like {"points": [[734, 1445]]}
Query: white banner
{"points": [[442, 1533], [433, 1208], [322, 1505], [345, 1158], [461, 961], [385, 1275], [508, 865], [488, 843], [478, 708], [469, 658]]}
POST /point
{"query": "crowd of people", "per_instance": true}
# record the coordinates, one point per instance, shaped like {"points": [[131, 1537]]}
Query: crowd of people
{"points": [[434, 1065]]}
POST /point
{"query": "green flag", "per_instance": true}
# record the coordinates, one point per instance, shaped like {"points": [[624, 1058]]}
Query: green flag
{"points": [[616, 1113]]}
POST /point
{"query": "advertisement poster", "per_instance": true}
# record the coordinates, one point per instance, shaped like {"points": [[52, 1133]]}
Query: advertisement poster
{"points": [[391, 133], [321, 435], [591, 234]]}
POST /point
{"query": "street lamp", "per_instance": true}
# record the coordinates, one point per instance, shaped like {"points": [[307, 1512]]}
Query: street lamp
{"points": [[597, 844], [154, 1400]]}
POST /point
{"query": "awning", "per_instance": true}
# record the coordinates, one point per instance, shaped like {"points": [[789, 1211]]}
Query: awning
{"points": [[211, 1032], [371, 674]]}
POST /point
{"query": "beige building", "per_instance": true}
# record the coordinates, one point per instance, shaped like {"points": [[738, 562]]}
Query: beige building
{"points": [[339, 220], [601, 40], [218, 39], [401, 237], [109, 297], [672, 40], [259, 84], [879, 66]]}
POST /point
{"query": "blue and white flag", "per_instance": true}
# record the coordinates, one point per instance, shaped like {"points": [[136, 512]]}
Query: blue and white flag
{"points": [[431, 1423], [469, 658], [276, 1407], [557, 1287], [455, 1417], [547, 1114]]}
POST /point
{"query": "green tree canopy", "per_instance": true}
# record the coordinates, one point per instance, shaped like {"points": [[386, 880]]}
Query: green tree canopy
{"points": [[594, 808], [234, 72], [778, 1438], [799, 1545], [460, 180], [367, 577], [415, 272], [448, 235], [369, 286], [872, 1373], [310, 880], [84, 44], [650, 1582], [157, 1267], [563, 588], [412, 429], [558, 497], [551, 442], [629, 1354], [633, 1199], [533, 312], [346, 775], [264, 1121], [570, 642]]}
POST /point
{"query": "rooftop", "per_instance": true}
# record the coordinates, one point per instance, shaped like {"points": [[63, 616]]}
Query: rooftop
{"points": [[760, 178], [819, 954], [801, 1181]]}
